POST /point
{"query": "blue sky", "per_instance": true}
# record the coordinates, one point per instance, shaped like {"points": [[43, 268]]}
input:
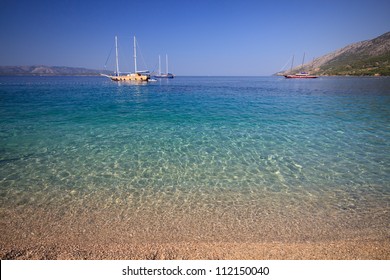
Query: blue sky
{"points": [[209, 37]]}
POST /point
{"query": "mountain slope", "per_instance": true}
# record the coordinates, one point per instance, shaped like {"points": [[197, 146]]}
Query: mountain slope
{"points": [[370, 57], [38, 70]]}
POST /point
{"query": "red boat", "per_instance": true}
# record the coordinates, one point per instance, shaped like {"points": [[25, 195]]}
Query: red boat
{"points": [[302, 75]]}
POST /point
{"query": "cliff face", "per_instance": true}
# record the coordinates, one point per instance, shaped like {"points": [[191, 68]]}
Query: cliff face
{"points": [[371, 57], [38, 70]]}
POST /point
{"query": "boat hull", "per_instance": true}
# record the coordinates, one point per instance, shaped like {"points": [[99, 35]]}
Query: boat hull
{"points": [[300, 76], [164, 76], [130, 77]]}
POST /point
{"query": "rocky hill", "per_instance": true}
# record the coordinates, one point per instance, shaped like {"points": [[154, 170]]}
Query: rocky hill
{"points": [[371, 57], [41, 70]]}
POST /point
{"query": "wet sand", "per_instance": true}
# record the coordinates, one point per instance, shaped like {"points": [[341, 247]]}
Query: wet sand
{"points": [[91, 232], [346, 250]]}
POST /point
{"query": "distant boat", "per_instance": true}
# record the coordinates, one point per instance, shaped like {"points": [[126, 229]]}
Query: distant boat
{"points": [[301, 75], [137, 76], [165, 75]]}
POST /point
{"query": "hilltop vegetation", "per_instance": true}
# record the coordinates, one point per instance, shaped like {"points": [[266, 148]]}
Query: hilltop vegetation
{"points": [[358, 65]]}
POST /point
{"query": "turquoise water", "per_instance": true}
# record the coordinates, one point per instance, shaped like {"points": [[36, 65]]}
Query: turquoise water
{"points": [[212, 143]]}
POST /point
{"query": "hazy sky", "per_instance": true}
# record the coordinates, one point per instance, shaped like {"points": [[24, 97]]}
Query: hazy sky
{"points": [[201, 37]]}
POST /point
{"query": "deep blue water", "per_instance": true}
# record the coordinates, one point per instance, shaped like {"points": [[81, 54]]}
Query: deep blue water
{"points": [[327, 138]]}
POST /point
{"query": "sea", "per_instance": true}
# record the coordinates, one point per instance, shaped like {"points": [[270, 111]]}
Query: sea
{"points": [[204, 159]]}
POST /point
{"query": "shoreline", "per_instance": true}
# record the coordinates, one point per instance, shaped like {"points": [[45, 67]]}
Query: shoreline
{"points": [[82, 233], [341, 250]]}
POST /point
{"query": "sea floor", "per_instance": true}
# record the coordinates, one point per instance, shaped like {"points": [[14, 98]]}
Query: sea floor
{"points": [[271, 228]]}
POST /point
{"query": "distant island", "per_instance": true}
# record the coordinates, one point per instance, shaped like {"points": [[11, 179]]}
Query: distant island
{"points": [[42, 70], [365, 58]]}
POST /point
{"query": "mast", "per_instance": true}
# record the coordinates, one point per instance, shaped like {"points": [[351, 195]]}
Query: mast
{"points": [[116, 55], [292, 63], [159, 65], [166, 64], [135, 56], [303, 60]]}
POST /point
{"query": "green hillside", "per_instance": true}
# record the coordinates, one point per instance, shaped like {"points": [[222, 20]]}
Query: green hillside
{"points": [[354, 64], [368, 58]]}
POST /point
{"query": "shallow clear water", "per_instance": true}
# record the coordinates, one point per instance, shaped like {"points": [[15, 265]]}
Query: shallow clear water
{"points": [[213, 143]]}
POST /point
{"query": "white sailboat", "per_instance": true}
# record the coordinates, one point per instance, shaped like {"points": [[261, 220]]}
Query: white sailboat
{"points": [[138, 76], [166, 74]]}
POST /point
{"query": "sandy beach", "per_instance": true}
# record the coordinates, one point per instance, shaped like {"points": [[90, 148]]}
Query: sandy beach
{"points": [[348, 250], [38, 233]]}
